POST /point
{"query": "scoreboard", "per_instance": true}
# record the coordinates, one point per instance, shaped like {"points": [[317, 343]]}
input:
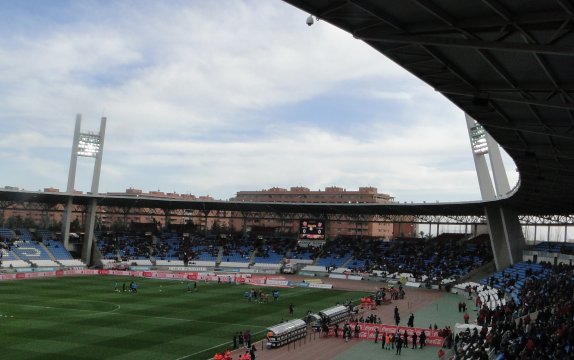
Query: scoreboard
{"points": [[312, 229]]}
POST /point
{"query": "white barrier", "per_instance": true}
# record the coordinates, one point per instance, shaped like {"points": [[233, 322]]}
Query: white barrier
{"points": [[71, 262], [169, 262], [320, 286], [267, 266], [273, 282], [314, 268], [188, 269], [346, 277], [234, 264]]}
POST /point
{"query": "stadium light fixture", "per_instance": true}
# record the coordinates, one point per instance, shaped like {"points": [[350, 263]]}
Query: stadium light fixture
{"points": [[478, 140], [89, 145]]}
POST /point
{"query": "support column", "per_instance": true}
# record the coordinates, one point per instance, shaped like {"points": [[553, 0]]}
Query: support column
{"points": [[66, 217], [244, 226], [166, 219], [506, 238], [87, 249], [327, 226], [498, 172]]}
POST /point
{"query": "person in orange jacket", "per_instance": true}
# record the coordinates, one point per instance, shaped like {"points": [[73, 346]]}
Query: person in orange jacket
{"points": [[227, 355]]}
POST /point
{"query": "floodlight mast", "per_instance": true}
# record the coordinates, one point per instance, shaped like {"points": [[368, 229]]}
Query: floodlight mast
{"points": [[85, 144], [506, 237]]}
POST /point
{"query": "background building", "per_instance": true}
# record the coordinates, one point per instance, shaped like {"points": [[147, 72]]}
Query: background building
{"points": [[367, 227], [43, 216]]}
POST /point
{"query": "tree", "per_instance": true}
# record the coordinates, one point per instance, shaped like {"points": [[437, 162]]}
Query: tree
{"points": [[75, 225], [28, 223], [118, 225], [14, 222], [215, 228]]}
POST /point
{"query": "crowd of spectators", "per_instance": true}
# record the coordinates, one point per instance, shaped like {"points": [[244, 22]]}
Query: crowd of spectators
{"points": [[428, 260], [127, 245], [273, 247], [305, 252], [237, 248], [538, 326], [555, 247]]}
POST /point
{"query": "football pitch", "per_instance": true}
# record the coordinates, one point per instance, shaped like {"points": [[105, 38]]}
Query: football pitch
{"points": [[84, 318]]}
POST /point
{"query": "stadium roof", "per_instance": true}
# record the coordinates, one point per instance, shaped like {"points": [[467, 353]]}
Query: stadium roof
{"points": [[143, 201], [509, 64]]}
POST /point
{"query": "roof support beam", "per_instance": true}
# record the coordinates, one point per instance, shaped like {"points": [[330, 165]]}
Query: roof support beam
{"points": [[490, 97], [468, 43]]}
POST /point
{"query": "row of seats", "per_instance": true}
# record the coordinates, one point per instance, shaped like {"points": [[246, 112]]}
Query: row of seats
{"points": [[18, 250], [513, 278]]}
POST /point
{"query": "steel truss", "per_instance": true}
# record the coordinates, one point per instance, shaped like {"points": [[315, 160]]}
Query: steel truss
{"points": [[549, 220]]}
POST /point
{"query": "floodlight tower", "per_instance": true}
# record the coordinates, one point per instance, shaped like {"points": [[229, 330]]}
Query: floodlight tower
{"points": [[506, 237], [483, 144], [86, 144]]}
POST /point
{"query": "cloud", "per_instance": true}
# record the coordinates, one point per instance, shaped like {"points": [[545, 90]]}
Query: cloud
{"points": [[206, 98]]}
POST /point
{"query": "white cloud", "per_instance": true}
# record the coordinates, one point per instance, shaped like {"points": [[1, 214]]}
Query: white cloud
{"points": [[172, 77]]}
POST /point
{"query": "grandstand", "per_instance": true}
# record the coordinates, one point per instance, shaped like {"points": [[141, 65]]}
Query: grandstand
{"points": [[20, 251]]}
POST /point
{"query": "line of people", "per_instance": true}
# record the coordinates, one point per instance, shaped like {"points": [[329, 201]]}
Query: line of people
{"points": [[391, 341], [248, 355]]}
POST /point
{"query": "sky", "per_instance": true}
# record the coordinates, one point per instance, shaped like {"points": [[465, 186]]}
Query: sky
{"points": [[210, 98]]}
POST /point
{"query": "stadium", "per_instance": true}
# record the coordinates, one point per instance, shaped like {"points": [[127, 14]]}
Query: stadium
{"points": [[168, 290]]}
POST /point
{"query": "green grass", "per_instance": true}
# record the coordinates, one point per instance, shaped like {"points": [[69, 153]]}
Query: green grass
{"points": [[83, 318]]}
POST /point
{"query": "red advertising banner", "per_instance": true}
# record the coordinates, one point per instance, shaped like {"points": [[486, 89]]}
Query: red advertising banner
{"points": [[192, 276], [367, 332]]}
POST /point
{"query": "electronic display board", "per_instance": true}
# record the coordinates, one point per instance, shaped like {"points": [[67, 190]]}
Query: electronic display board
{"points": [[312, 229]]}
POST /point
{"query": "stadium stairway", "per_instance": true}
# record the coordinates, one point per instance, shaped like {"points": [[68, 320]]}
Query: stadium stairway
{"points": [[43, 246], [98, 256], [16, 256], [318, 257], [219, 256], [480, 273], [344, 265]]}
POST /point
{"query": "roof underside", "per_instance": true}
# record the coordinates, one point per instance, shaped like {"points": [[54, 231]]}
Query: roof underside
{"points": [[508, 64]]}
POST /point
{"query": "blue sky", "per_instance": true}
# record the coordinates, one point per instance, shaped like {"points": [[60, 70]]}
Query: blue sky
{"points": [[211, 98]]}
